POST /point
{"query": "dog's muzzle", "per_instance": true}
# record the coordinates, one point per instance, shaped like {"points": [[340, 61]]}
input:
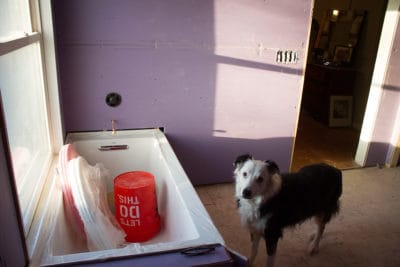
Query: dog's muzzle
{"points": [[247, 193]]}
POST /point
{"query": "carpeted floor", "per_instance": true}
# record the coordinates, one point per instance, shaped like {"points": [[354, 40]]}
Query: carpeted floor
{"points": [[365, 233]]}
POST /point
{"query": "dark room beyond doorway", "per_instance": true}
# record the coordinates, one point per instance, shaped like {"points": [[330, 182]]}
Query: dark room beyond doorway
{"points": [[343, 44]]}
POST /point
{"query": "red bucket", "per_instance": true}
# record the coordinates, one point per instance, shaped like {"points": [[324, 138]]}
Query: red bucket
{"points": [[136, 205]]}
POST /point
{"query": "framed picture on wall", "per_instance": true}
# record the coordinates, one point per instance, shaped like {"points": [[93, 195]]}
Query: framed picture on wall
{"points": [[342, 54], [340, 111]]}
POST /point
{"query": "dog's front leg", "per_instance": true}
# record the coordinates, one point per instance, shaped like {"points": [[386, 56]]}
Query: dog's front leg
{"points": [[271, 243], [255, 240]]}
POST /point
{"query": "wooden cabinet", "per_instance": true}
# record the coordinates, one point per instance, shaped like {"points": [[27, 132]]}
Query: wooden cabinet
{"points": [[320, 84]]}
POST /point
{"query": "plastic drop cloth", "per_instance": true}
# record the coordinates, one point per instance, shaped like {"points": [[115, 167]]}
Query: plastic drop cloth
{"points": [[73, 218], [85, 202]]}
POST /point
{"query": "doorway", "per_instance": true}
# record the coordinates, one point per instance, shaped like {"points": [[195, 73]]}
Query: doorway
{"points": [[342, 50]]}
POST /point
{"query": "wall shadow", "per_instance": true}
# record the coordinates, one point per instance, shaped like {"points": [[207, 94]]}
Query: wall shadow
{"points": [[213, 163]]}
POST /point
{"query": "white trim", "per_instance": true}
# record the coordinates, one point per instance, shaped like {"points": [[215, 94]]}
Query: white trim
{"points": [[48, 206], [16, 42], [34, 15], [51, 77], [378, 80]]}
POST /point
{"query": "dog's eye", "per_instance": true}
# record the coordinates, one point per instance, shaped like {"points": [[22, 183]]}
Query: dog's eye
{"points": [[245, 174], [260, 180]]}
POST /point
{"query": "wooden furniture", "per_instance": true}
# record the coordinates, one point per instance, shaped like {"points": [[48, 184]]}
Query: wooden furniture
{"points": [[321, 83]]}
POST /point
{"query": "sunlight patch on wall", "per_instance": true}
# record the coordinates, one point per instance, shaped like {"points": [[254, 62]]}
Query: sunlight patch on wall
{"points": [[244, 105]]}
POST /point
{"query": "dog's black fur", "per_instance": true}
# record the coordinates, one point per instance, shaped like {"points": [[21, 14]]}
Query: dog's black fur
{"points": [[313, 191]]}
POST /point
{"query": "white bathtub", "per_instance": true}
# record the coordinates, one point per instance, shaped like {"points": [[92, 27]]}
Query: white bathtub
{"points": [[185, 222]]}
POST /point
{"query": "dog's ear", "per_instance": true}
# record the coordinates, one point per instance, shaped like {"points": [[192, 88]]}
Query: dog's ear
{"points": [[241, 159], [272, 167]]}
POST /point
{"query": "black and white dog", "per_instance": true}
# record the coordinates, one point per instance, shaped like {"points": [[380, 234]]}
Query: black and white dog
{"points": [[269, 201]]}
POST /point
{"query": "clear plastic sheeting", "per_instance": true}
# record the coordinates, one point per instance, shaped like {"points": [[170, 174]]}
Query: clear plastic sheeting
{"points": [[184, 220], [85, 202], [101, 228], [67, 153]]}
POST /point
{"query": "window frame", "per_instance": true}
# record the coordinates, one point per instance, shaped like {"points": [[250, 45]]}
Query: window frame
{"points": [[40, 31]]}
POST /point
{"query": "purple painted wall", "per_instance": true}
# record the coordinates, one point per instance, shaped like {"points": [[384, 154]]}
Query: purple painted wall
{"points": [[205, 70]]}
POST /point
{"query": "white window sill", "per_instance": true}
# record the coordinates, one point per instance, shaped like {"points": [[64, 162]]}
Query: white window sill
{"points": [[45, 216]]}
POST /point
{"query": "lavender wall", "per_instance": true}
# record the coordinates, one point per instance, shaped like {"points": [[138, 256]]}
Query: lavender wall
{"points": [[205, 70]]}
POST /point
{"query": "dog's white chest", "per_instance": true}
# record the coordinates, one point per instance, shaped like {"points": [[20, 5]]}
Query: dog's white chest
{"points": [[250, 217]]}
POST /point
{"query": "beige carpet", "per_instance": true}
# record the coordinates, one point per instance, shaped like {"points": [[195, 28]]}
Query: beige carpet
{"points": [[365, 233]]}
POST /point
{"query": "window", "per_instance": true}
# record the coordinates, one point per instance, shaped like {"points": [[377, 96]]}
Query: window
{"points": [[25, 100]]}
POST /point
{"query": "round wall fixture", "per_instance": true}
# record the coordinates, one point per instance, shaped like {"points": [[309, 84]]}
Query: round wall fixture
{"points": [[113, 99]]}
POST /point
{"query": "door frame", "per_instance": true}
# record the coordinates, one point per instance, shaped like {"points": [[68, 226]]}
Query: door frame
{"points": [[389, 27]]}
